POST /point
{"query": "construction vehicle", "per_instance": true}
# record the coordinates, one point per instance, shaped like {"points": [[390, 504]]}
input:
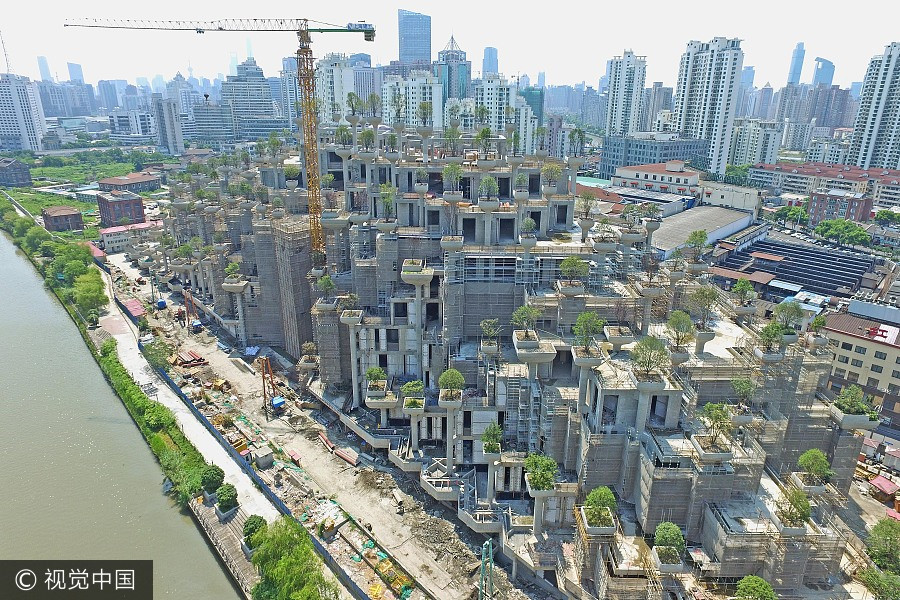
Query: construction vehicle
{"points": [[306, 77], [273, 404], [191, 312]]}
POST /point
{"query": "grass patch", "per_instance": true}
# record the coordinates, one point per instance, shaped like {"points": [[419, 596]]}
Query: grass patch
{"points": [[34, 201], [83, 173]]}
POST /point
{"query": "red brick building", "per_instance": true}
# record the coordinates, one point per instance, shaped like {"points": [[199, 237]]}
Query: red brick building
{"points": [[839, 204], [62, 218], [118, 208], [133, 182]]}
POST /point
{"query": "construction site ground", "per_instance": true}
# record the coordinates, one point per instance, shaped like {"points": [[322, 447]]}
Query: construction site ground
{"points": [[425, 539]]}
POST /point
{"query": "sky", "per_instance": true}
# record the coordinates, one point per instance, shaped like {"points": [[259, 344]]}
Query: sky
{"points": [[571, 43]]}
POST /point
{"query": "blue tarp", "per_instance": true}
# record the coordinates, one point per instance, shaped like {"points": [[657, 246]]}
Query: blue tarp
{"points": [[160, 303], [251, 350], [277, 402]]}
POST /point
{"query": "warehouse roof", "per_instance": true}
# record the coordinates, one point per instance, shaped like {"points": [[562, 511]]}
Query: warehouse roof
{"points": [[675, 230]]}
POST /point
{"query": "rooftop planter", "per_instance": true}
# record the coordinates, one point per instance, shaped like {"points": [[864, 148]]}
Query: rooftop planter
{"points": [[603, 525], [528, 240], [490, 347], [785, 528], [359, 217], [317, 272], [632, 235], [387, 401], [386, 225], [420, 188], [351, 317], [414, 405], [452, 243], [768, 355], [709, 451], [570, 287], [667, 559], [307, 362], [453, 197], [539, 491], [450, 399], [548, 190], [587, 357], [525, 339], [844, 420], [647, 382], [376, 388], [520, 195], [695, 268], [491, 204], [618, 336], [809, 484]]}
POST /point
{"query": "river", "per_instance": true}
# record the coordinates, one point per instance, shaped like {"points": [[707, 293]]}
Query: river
{"points": [[79, 481]]}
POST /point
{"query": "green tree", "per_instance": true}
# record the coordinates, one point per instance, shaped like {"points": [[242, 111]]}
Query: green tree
{"points": [[815, 463], [34, 237], [488, 188], [483, 140], [744, 291], [752, 587], [649, 355], [788, 315], [596, 504], [211, 478], [541, 471], [288, 564], [326, 285], [794, 509], [703, 299], [367, 139], [525, 317], [491, 438], [159, 417], [574, 268], [451, 176], [696, 241], [668, 534], [490, 328], [451, 379], [885, 586], [90, 292], [73, 270], [681, 329], [528, 226], [375, 374], [771, 336], [843, 232], [522, 182], [424, 112], [226, 494], [886, 217], [184, 251], [817, 324], [253, 524], [884, 545], [551, 172], [744, 389], [717, 420], [481, 114], [232, 269], [588, 325]]}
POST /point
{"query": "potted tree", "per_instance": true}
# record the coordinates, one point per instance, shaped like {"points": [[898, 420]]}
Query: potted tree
{"points": [[326, 285], [588, 325], [421, 184], [377, 379], [599, 511], [526, 233], [605, 238], [490, 441], [413, 397], [367, 141], [788, 315], [451, 382], [815, 471], [682, 332], [452, 137], [703, 299], [253, 524], [744, 294], [851, 410], [791, 513], [585, 206], [488, 189], [770, 339], [714, 447], [696, 241], [387, 223], [753, 587], [551, 173], [813, 338], [424, 112], [483, 141], [744, 389], [520, 191], [540, 136], [211, 478], [668, 548], [574, 271], [309, 359], [227, 501], [392, 149], [525, 317], [490, 330], [540, 473], [648, 357], [451, 175]]}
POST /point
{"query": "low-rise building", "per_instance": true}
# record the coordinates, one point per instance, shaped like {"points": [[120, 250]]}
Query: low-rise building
{"points": [[647, 148], [122, 237], [14, 173], [882, 185], [838, 204], [62, 218], [120, 208], [133, 182], [670, 176]]}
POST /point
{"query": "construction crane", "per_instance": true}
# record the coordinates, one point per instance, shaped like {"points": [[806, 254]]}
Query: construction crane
{"points": [[306, 77], [272, 403]]}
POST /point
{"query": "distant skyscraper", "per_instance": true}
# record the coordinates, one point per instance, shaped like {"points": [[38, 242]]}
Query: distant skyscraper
{"points": [[660, 99], [415, 37], [489, 64], [748, 74], [109, 97], [855, 89], [876, 134], [250, 98], [168, 124], [705, 95], [796, 63], [454, 71], [764, 101], [75, 73], [44, 67], [824, 73], [22, 124], [626, 86], [524, 81], [542, 80], [534, 97], [360, 58]]}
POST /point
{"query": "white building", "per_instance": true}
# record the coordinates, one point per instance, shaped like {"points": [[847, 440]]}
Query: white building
{"points": [[497, 94], [833, 152], [168, 124], [626, 75], [876, 134], [754, 141], [706, 95], [21, 115], [401, 97], [334, 80], [132, 127]]}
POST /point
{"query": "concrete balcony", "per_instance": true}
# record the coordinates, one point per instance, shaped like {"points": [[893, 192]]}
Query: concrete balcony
{"points": [[483, 521]]}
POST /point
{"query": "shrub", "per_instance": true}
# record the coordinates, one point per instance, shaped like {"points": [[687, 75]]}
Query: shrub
{"points": [[226, 494], [573, 267], [309, 348], [253, 524], [413, 388], [851, 401], [716, 419], [771, 336], [159, 417], [817, 324], [541, 471], [595, 505], [884, 545], [375, 374], [815, 463], [744, 388], [528, 226], [490, 328], [753, 587], [788, 315], [211, 478], [794, 509], [551, 172], [491, 438], [488, 188], [885, 586], [451, 379], [668, 534]]}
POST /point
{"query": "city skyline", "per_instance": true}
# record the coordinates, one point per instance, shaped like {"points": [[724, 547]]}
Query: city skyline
{"points": [[169, 52]]}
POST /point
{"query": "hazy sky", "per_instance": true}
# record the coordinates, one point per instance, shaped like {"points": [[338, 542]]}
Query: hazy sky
{"points": [[569, 41]]}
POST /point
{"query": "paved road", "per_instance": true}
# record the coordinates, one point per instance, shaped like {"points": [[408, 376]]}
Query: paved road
{"points": [[125, 333]]}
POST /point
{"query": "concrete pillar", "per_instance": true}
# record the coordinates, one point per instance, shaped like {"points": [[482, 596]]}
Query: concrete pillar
{"points": [[451, 430], [583, 406], [354, 376], [645, 321], [491, 475], [414, 432], [539, 515], [418, 317], [384, 418], [643, 410]]}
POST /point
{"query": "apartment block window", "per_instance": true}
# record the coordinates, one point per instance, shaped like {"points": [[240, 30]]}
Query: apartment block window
{"points": [[856, 362], [895, 374], [849, 346], [852, 377], [843, 359], [840, 373], [872, 382], [877, 368], [894, 388], [880, 355], [859, 350]]}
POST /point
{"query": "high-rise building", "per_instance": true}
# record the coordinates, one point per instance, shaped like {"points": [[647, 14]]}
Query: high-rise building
{"points": [[824, 73], [401, 97], [660, 99], [183, 93], [489, 64], [496, 94], [830, 106], [168, 124], [415, 37], [763, 102], [796, 64], [44, 68], [856, 89], [75, 72], [626, 85], [534, 96], [214, 125], [22, 125], [745, 92], [454, 71], [646, 148], [754, 141], [876, 134], [334, 80], [705, 95], [524, 81], [67, 99], [109, 97], [590, 108], [360, 59], [290, 92], [250, 98], [542, 80]]}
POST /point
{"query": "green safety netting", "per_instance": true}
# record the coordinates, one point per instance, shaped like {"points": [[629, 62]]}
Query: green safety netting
{"points": [[369, 544]]}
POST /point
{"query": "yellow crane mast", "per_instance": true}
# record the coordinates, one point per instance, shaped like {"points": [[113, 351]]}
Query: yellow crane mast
{"points": [[306, 78]]}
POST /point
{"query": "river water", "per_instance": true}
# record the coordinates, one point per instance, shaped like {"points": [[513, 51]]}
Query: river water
{"points": [[78, 479]]}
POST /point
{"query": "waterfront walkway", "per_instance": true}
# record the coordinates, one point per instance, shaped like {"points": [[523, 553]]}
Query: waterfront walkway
{"points": [[125, 333]]}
